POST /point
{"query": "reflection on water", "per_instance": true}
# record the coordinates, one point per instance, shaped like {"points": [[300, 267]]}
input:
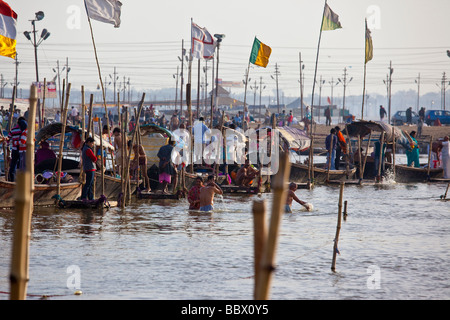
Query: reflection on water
{"points": [[393, 245]]}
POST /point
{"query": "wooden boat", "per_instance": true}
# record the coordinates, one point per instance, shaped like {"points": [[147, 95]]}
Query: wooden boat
{"points": [[44, 194], [405, 174], [300, 174]]}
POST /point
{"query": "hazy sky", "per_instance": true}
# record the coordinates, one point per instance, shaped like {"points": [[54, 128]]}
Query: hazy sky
{"points": [[413, 34]]}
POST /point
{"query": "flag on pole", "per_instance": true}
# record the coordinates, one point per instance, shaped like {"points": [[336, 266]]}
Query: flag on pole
{"points": [[260, 53], [203, 44], [107, 11], [330, 19], [8, 20], [369, 46]]}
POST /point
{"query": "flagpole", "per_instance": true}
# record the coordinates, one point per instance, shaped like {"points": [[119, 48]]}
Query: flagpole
{"points": [[315, 71], [99, 72], [365, 65], [245, 91]]}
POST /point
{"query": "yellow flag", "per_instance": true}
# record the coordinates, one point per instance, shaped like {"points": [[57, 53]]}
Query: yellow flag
{"points": [[369, 46]]}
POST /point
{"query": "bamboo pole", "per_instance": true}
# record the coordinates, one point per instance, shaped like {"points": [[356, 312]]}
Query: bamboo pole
{"points": [[83, 137], [127, 174], [393, 151], [279, 200], [42, 108], [429, 157], [338, 228], [61, 142], [367, 153], [260, 236], [380, 157], [19, 274], [102, 156], [360, 159]]}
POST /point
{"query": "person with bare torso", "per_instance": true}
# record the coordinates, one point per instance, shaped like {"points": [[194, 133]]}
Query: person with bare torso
{"points": [[207, 194], [291, 196]]}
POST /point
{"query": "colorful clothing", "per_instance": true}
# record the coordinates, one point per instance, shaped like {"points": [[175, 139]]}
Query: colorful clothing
{"points": [[413, 154], [207, 208], [194, 195]]}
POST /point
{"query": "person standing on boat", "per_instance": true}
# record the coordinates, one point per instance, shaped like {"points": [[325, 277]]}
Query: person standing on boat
{"points": [[23, 144], [89, 159], [330, 145], [412, 154], [207, 194], [341, 147], [167, 170], [445, 156], [291, 196], [13, 138], [140, 161]]}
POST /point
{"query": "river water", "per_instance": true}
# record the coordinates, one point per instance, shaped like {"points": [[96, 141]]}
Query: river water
{"points": [[394, 244]]}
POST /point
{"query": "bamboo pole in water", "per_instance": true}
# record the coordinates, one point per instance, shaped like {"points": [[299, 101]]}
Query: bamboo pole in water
{"points": [[338, 228], [379, 178], [19, 274], [259, 236], [279, 201], [61, 142], [393, 151]]}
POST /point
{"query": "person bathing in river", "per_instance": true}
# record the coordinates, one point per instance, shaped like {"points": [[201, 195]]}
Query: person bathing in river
{"points": [[291, 196], [207, 194], [194, 194]]}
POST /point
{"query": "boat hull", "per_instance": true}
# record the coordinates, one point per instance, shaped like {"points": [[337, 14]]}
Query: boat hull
{"points": [[43, 193], [405, 174], [299, 174]]}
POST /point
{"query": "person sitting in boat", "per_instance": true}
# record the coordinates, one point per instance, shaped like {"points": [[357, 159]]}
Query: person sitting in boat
{"points": [[44, 153], [194, 194], [207, 194], [412, 154], [140, 161], [245, 175], [89, 159], [291, 196]]}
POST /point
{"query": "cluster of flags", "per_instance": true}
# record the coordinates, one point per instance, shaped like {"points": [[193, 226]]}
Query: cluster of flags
{"points": [[203, 44]]}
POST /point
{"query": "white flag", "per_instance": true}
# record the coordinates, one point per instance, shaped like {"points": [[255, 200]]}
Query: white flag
{"points": [[107, 11], [203, 44]]}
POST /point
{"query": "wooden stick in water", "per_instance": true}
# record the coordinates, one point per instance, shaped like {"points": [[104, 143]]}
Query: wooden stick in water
{"points": [[279, 201], [260, 236], [19, 275], [338, 228], [429, 156]]}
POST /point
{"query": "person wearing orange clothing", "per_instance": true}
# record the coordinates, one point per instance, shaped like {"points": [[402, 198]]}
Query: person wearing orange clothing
{"points": [[341, 147]]}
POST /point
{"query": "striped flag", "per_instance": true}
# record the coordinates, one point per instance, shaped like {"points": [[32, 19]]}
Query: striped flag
{"points": [[260, 53], [330, 19], [107, 11], [369, 45], [8, 20]]}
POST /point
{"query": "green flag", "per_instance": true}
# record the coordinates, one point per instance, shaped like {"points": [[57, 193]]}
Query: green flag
{"points": [[330, 19], [260, 53]]}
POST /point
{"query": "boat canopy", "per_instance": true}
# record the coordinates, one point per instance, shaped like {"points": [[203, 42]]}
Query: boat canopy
{"points": [[363, 128], [296, 139], [55, 128]]}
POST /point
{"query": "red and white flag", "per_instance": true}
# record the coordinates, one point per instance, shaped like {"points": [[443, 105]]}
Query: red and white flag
{"points": [[8, 32], [203, 44]]}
